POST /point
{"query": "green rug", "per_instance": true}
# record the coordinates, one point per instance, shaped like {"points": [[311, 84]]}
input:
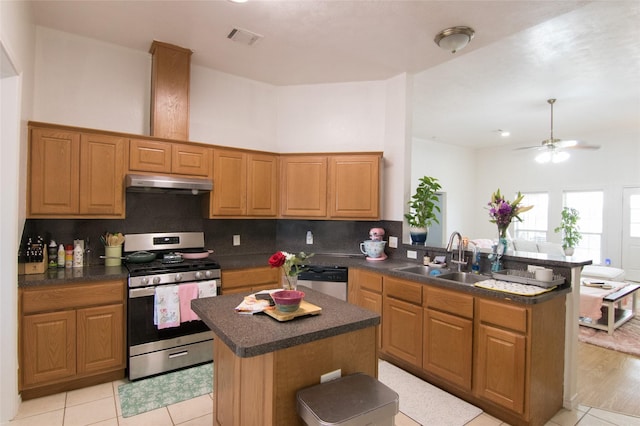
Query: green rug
{"points": [[160, 391]]}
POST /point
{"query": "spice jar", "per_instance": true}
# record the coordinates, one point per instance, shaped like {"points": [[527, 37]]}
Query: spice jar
{"points": [[68, 256]]}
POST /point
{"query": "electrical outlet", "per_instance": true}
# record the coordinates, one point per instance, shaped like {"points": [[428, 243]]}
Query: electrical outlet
{"points": [[393, 242], [332, 375], [412, 254], [309, 237], [236, 240]]}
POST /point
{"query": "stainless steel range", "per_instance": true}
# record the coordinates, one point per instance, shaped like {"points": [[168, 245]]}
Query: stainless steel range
{"points": [[153, 349]]}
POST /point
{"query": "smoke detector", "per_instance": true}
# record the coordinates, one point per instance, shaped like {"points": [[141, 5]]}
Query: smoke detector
{"points": [[244, 36]]}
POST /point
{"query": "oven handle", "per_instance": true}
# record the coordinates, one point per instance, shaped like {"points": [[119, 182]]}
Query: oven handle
{"points": [[141, 292]]}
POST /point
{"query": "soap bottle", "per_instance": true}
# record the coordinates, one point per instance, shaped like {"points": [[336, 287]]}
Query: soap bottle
{"points": [[61, 256], [53, 254], [78, 255], [475, 266]]}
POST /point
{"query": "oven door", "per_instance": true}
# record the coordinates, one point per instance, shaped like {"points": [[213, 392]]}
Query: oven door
{"points": [[142, 330]]}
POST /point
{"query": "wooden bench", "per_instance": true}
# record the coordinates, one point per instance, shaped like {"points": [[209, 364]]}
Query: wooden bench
{"points": [[613, 313]]}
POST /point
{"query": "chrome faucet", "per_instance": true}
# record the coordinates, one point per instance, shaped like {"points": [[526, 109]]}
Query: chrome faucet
{"points": [[460, 260]]}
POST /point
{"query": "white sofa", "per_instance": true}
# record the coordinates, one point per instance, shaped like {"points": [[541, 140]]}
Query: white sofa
{"points": [[606, 273]]}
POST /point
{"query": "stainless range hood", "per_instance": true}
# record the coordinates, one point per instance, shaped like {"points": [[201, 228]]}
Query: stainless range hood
{"points": [[172, 184]]}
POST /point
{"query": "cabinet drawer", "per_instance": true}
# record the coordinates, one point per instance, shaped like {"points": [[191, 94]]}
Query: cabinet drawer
{"points": [[72, 296], [449, 301], [503, 315], [404, 290], [370, 280], [253, 277]]}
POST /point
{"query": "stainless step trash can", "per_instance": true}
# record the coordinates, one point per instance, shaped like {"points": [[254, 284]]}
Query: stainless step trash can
{"points": [[354, 400]]}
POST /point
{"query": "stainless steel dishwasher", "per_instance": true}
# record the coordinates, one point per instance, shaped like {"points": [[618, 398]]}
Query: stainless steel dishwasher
{"points": [[331, 280]]}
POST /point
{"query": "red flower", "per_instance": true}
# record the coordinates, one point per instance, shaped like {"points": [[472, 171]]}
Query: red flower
{"points": [[277, 260]]}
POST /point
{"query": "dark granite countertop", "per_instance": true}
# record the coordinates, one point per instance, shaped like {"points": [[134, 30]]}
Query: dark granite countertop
{"points": [[60, 276], [252, 335], [389, 267]]}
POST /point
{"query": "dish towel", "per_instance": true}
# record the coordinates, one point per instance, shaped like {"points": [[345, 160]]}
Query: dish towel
{"points": [[207, 289], [167, 307], [187, 292]]}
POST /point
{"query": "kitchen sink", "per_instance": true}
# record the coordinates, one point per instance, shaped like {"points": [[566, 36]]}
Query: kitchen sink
{"points": [[463, 277], [421, 270]]}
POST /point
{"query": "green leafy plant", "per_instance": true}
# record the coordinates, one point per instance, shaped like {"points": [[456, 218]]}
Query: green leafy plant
{"points": [[423, 203], [569, 226]]}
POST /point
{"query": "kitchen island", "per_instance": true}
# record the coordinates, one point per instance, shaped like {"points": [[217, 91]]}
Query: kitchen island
{"points": [[260, 363]]}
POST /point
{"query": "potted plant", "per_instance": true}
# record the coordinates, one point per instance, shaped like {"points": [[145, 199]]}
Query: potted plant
{"points": [[570, 231], [423, 205]]}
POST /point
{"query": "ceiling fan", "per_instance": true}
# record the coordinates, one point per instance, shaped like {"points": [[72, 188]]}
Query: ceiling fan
{"points": [[553, 150]]}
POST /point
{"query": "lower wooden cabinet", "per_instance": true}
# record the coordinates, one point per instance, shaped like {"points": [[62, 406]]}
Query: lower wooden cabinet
{"points": [[402, 320], [365, 290], [71, 336], [250, 279]]}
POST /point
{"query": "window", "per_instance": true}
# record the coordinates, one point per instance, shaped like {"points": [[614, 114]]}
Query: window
{"points": [[535, 221], [590, 207]]}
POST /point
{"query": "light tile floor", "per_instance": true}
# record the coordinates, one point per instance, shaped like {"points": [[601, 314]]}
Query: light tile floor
{"points": [[99, 406]]}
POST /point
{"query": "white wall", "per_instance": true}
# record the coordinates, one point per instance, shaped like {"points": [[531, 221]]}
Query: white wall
{"points": [[332, 117], [455, 168], [17, 40]]}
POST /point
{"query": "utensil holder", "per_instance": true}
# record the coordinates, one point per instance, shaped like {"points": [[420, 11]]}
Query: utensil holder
{"points": [[113, 255]]}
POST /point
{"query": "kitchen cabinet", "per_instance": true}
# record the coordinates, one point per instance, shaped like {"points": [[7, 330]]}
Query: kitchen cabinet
{"points": [[304, 186], [71, 336], [170, 80], [354, 186], [250, 279], [75, 174], [244, 184], [402, 320], [169, 158], [365, 290], [330, 186], [448, 335]]}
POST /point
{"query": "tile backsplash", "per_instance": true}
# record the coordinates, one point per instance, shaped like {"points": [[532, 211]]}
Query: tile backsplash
{"points": [[182, 213]]}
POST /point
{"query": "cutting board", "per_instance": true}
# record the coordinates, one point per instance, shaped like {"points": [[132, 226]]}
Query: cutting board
{"points": [[305, 308]]}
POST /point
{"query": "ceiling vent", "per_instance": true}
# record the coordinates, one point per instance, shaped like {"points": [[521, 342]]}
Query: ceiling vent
{"points": [[244, 36]]}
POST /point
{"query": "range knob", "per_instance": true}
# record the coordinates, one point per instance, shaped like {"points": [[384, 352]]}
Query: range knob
{"points": [[208, 274], [178, 277], [198, 275], [156, 280], [144, 280]]}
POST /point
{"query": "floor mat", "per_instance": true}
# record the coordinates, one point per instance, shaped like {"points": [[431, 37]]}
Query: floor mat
{"points": [[159, 391], [423, 402], [625, 338]]}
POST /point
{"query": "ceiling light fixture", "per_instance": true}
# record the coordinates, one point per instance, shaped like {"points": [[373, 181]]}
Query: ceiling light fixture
{"points": [[552, 156], [454, 38]]}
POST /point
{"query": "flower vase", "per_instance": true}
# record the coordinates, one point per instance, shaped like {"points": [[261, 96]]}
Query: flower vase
{"points": [[502, 241], [289, 282]]}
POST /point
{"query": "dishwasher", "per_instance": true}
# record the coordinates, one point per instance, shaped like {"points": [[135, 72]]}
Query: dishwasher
{"points": [[331, 280]]}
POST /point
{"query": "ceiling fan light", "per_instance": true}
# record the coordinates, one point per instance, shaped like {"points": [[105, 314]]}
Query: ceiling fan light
{"points": [[559, 156], [454, 38], [543, 157]]}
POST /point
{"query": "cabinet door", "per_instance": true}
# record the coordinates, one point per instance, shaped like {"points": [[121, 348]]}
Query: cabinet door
{"points": [[149, 156], [54, 172], [190, 160], [100, 343], [448, 347], [262, 185], [49, 347], [372, 301], [102, 168], [304, 186], [402, 330], [229, 183], [354, 186], [244, 280], [500, 367]]}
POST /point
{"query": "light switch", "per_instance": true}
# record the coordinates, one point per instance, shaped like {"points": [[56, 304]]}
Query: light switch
{"points": [[236, 240]]}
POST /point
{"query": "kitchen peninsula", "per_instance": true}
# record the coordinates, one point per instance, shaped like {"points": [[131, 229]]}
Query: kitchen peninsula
{"points": [[260, 363]]}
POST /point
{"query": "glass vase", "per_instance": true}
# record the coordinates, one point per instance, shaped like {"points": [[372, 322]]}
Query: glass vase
{"points": [[289, 282]]}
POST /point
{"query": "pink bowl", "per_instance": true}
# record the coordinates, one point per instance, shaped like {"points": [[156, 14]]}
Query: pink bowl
{"points": [[287, 300]]}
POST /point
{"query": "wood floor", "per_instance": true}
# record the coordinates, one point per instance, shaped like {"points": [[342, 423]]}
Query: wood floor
{"points": [[608, 379]]}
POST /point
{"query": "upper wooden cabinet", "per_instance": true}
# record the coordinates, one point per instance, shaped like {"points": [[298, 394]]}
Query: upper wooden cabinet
{"points": [[244, 184], [167, 157], [170, 79], [304, 186], [354, 186], [75, 174], [330, 186]]}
